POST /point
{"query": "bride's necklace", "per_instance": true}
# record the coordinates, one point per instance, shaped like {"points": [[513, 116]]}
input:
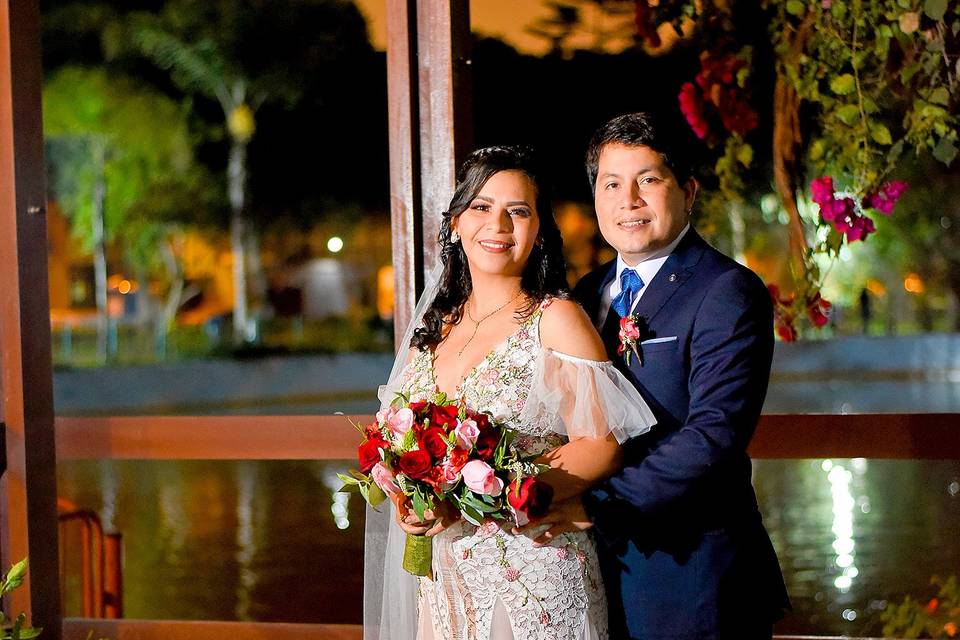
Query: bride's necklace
{"points": [[476, 323]]}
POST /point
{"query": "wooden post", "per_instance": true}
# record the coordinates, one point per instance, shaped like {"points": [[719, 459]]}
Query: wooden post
{"points": [[404, 142], [446, 114], [28, 511], [430, 128]]}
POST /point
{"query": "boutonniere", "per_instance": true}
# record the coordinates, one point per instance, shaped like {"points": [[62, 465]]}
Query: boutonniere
{"points": [[630, 338]]}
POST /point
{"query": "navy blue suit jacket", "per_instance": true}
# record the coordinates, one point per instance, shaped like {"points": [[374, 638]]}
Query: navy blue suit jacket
{"points": [[681, 540]]}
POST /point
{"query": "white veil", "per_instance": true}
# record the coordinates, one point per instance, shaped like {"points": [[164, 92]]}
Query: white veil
{"points": [[389, 592]]}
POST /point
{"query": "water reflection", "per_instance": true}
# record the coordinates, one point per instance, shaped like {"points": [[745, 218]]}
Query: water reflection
{"points": [[273, 541], [246, 547]]}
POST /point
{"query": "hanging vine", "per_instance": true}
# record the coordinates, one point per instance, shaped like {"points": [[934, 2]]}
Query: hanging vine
{"points": [[874, 80]]}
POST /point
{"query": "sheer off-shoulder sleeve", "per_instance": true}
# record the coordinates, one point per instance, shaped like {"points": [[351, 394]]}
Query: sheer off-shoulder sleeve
{"points": [[581, 398]]}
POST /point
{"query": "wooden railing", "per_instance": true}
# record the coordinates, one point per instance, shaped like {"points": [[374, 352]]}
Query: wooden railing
{"points": [[891, 436], [101, 577], [922, 436]]}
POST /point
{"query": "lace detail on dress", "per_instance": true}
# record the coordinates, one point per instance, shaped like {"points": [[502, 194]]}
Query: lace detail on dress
{"points": [[483, 574]]}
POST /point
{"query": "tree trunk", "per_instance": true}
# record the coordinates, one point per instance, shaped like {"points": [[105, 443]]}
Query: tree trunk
{"points": [[237, 182], [100, 249], [257, 279], [786, 146]]}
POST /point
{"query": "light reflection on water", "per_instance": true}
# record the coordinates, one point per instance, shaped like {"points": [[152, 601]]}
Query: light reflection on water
{"points": [[272, 541]]}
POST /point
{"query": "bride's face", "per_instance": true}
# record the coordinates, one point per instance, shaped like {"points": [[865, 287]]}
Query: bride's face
{"points": [[499, 229]]}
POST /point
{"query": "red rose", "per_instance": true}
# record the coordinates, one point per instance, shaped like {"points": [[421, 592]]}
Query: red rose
{"points": [[482, 420], [487, 443], [369, 454], [415, 464], [459, 457], [434, 440], [444, 416], [417, 407], [533, 497]]}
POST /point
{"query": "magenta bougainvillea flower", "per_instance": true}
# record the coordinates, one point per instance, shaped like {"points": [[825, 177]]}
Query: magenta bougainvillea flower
{"points": [[885, 199]]}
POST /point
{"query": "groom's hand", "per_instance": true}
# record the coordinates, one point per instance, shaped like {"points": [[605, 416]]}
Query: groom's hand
{"points": [[564, 517]]}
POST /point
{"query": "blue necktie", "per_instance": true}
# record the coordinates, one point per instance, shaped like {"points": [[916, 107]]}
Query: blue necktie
{"points": [[630, 285]]}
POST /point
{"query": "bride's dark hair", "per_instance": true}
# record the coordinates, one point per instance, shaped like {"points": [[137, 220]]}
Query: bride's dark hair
{"points": [[545, 273]]}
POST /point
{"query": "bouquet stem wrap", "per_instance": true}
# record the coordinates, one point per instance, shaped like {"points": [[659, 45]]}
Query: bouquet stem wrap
{"points": [[418, 555]]}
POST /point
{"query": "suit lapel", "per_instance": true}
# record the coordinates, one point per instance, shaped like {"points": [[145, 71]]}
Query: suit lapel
{"points": [[674, 272]]}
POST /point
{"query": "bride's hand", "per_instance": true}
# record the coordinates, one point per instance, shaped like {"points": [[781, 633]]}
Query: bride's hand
{"points": [[407, 518], [564, 517], [434, 521]]}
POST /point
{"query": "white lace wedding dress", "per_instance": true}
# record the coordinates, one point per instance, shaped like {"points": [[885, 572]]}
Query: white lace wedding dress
{"points": [[489, 584]]}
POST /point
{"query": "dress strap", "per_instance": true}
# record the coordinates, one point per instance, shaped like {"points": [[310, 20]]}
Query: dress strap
{"points": [[535, 318]]}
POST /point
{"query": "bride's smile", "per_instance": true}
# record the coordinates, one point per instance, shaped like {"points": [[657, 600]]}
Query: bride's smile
{"points": [[499, 229]]}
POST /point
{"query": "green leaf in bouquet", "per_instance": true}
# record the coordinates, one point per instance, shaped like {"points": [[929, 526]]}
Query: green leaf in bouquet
{"points": [[353, 487], [471, 515], [452, 437], [356, 425], [478, 505], [501, 449], [399, 401], [376, 496], [365, 492], [408, 439], [419, 503], [359, 476]]}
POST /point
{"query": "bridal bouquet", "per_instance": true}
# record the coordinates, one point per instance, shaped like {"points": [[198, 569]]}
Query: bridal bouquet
{"points": [[436, 452]]}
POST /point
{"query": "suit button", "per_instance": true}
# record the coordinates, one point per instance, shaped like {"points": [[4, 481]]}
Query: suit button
{"points": [[673, 277]]}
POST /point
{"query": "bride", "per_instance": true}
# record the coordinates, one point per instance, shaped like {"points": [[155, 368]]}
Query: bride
{"points": [[497, 332]]}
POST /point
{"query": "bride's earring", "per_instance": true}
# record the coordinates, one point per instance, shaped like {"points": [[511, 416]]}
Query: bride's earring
{"points": [[454, 237]]}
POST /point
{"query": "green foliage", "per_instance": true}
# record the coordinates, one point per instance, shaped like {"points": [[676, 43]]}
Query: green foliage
{"points": [[109, 129], [937, 618], [15, 630], [875, 72]]}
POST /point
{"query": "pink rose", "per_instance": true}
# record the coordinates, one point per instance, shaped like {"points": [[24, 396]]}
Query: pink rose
{"points": [[384, 415], [629, 329], [480, 478], [384, 478], [467, 433], [401, 421], [449, 476]]}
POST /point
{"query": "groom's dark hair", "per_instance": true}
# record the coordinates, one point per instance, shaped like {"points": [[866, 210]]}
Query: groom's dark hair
{"points": [[643, 129]]}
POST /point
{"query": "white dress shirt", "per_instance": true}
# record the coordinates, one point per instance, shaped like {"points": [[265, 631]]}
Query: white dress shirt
{"points": [[647, 270]]}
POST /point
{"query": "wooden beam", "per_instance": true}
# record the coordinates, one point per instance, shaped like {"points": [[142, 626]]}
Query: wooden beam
{"points": [[80, 629], [404, 141], [28, 511], [209, 438], [894, 436], [920, 436], [446, 108]]}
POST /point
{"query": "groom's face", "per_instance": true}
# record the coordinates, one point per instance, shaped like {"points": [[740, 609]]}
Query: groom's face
{"points": [[640, 206]]}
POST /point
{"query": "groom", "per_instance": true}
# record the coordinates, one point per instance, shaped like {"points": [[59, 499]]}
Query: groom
{"points": [[685, 553]]}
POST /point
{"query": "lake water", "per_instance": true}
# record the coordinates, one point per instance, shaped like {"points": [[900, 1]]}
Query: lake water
{"points": [[272, 541]]}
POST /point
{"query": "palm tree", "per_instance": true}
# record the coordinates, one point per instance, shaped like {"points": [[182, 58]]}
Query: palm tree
{"points": [[202, 67]]}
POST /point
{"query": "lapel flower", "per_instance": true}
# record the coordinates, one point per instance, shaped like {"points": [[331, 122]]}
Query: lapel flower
{"points": [[629, 338]]}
